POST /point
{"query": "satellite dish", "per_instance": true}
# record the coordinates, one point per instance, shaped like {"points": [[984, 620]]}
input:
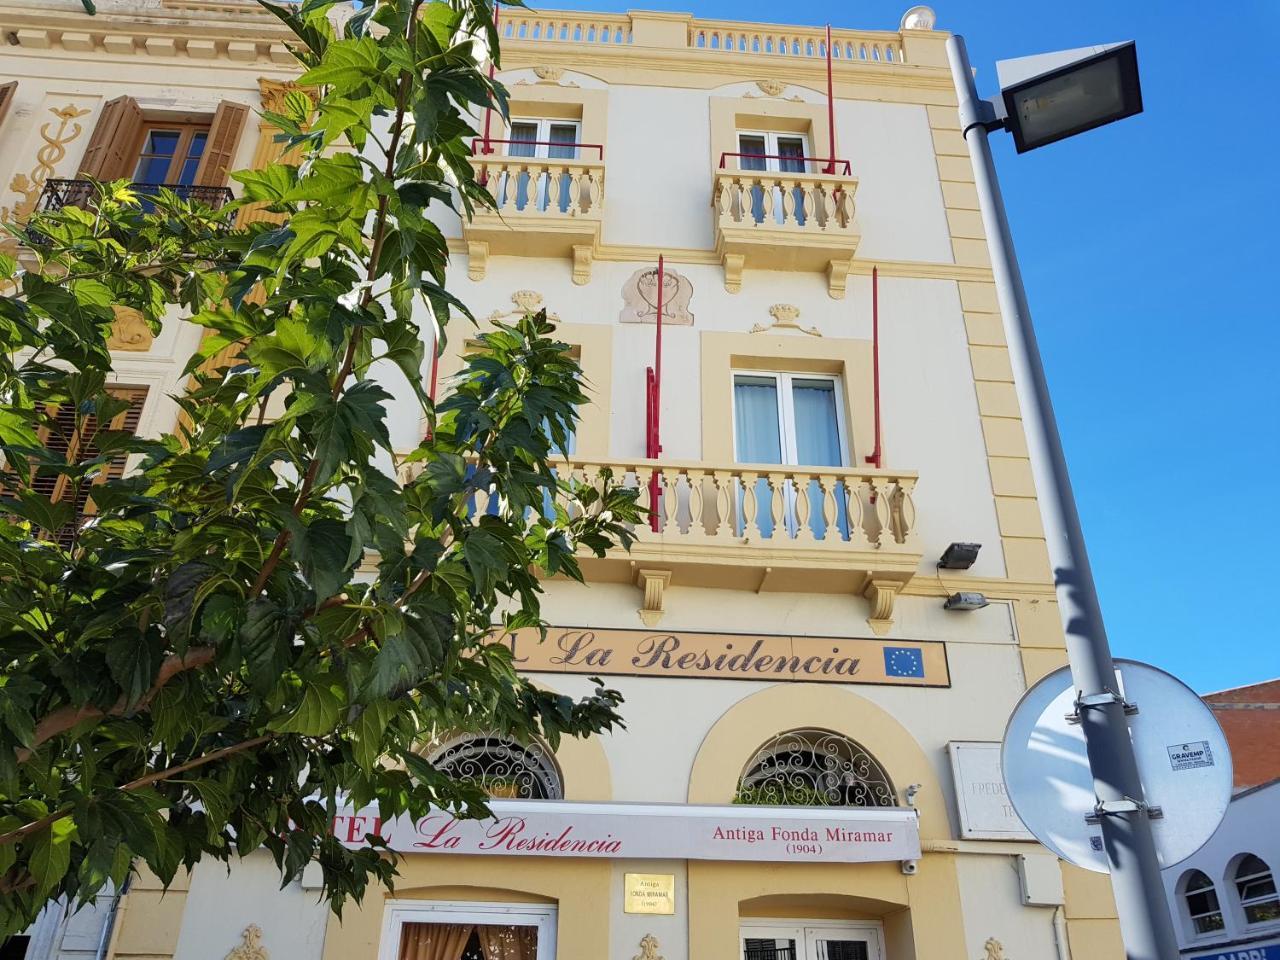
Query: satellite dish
{"points": [[1182, 755]]}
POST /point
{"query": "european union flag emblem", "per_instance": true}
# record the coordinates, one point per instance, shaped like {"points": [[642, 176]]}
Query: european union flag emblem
{"points": [[903, 662]]}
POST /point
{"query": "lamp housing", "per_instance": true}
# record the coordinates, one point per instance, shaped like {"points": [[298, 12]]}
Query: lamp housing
{"points": [[965, 601], [1052, 96], [959, 556]]}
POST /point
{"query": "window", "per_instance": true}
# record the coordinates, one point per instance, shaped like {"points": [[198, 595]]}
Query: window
{"points": [[170, 153], [778, 152], [542, 137], [65, 441], [814, 768], [501, 766], [1256, 888], [1201, 900], [792, 419], [549, 140], [469, 931], [818, 940]]}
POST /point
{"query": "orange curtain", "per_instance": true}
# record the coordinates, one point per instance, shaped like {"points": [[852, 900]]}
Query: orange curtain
{"points": [[434, 941], [508, 943]]}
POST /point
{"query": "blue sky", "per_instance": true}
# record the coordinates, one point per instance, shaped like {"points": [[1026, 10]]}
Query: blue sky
{"points": [[1148, 250]]}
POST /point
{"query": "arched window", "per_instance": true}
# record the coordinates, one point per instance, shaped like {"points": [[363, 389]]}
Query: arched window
{"points": [[1256, 888], [504, 768], [815, 768], [1201, 900]]}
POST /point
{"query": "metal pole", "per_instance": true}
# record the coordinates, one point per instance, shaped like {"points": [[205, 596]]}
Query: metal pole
{"points": [[876, 455], [831, 112], [1135, 871]]}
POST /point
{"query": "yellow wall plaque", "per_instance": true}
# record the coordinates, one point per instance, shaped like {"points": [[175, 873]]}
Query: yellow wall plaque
{"points": [[649, 893]]}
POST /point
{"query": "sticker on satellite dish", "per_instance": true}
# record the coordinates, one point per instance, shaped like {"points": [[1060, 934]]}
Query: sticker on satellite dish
{"points": [[1189, 756]]}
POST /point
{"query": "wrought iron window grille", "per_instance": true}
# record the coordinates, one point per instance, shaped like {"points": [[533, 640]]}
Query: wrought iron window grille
{"points": [[815, 768]]}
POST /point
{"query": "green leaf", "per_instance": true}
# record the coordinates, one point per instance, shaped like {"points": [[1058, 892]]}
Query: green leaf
{"points": [[323, 550], [34, 508], [51, 855], [485, 555], [264, 641], [133, 661], [317, 713]]}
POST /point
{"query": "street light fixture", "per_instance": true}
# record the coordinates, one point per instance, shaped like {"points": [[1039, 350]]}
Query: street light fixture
{"points": [[1045, 99], [1053, 96]]}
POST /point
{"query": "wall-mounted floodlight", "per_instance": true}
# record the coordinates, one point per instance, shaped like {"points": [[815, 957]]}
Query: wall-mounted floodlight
{"points": [[1052, 96], [959, 556], [965, 601]]}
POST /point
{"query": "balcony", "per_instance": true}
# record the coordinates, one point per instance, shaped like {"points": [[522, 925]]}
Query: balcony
{"points": [[77, 193], [758, 527], [785, 220], [546, 207]]}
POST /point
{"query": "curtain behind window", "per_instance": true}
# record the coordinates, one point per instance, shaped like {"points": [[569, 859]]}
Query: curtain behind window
{"points": [[434, 941], [818, 445], [508, 943], [755, 415]]}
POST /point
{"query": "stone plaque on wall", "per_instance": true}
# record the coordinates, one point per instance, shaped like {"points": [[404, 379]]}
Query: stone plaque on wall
{"points": [[981, 799], [640, 298]]}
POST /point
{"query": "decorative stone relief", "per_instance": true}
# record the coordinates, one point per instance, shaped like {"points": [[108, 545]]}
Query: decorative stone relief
{"points": [[771, 88], [993, 947], [526, 301], [583, 256], [251, 945], [837, 278], [29, 185], [733, 264], [784, 318], [648, 948], [640, 298], [130, 331]]}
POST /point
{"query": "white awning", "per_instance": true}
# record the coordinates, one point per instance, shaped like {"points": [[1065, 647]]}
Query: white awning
{"points": [[660, 831]]}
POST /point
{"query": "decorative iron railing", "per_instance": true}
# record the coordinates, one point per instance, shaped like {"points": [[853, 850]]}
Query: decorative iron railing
{"points": [[500, 766], [77, 193]]}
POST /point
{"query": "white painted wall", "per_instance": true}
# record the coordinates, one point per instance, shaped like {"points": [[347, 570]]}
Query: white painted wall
{"points": [[1251, 825], [990, 899], [292, 920]]}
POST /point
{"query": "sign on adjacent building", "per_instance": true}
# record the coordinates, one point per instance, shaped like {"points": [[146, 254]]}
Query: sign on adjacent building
{"points": [[982, 802], [1249, 951], [652, 831], [730, 656]]}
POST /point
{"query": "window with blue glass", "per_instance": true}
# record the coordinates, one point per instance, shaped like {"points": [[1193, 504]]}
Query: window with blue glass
{"points": [[170, 153]]}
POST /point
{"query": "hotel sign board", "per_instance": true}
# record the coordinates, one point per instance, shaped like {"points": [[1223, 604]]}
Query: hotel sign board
{"points": [[729, 656], [982, 801], [650, 831]]}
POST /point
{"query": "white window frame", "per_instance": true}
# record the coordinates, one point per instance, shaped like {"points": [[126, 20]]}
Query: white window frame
{"points": [[787, 413], [400, 912], [543, 150], [1194, 932], [806, 933], [1237, 881], [771, 137]]}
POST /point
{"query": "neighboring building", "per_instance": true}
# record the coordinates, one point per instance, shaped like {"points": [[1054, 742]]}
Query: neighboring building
{"points": [[801, 709], [1224, 897], [1250, 717]]}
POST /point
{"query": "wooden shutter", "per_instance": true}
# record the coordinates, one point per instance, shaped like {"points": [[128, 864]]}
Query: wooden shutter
{"points": [[7, 92], [113, 148], [220, 149], [78, 447]]}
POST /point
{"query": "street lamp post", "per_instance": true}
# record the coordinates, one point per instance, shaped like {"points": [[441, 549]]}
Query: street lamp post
{"points": [[1123, 812]]}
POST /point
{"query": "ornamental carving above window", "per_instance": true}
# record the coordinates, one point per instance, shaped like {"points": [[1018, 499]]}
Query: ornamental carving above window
{"points": [[815, 768], [502, 767]]}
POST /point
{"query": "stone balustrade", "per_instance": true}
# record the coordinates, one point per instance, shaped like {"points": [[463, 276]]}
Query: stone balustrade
{"points": [[537, 185], [792, 201]]}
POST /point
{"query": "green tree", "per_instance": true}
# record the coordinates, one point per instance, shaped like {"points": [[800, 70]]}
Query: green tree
{"points": [[266, 616]]}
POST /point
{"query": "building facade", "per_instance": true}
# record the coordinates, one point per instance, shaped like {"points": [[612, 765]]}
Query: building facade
{"points": [[808, 770]]}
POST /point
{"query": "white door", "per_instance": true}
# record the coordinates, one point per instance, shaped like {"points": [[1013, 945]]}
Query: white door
{"points": [[543, 138], [777, 153], [842, 943], [811, 940]]}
